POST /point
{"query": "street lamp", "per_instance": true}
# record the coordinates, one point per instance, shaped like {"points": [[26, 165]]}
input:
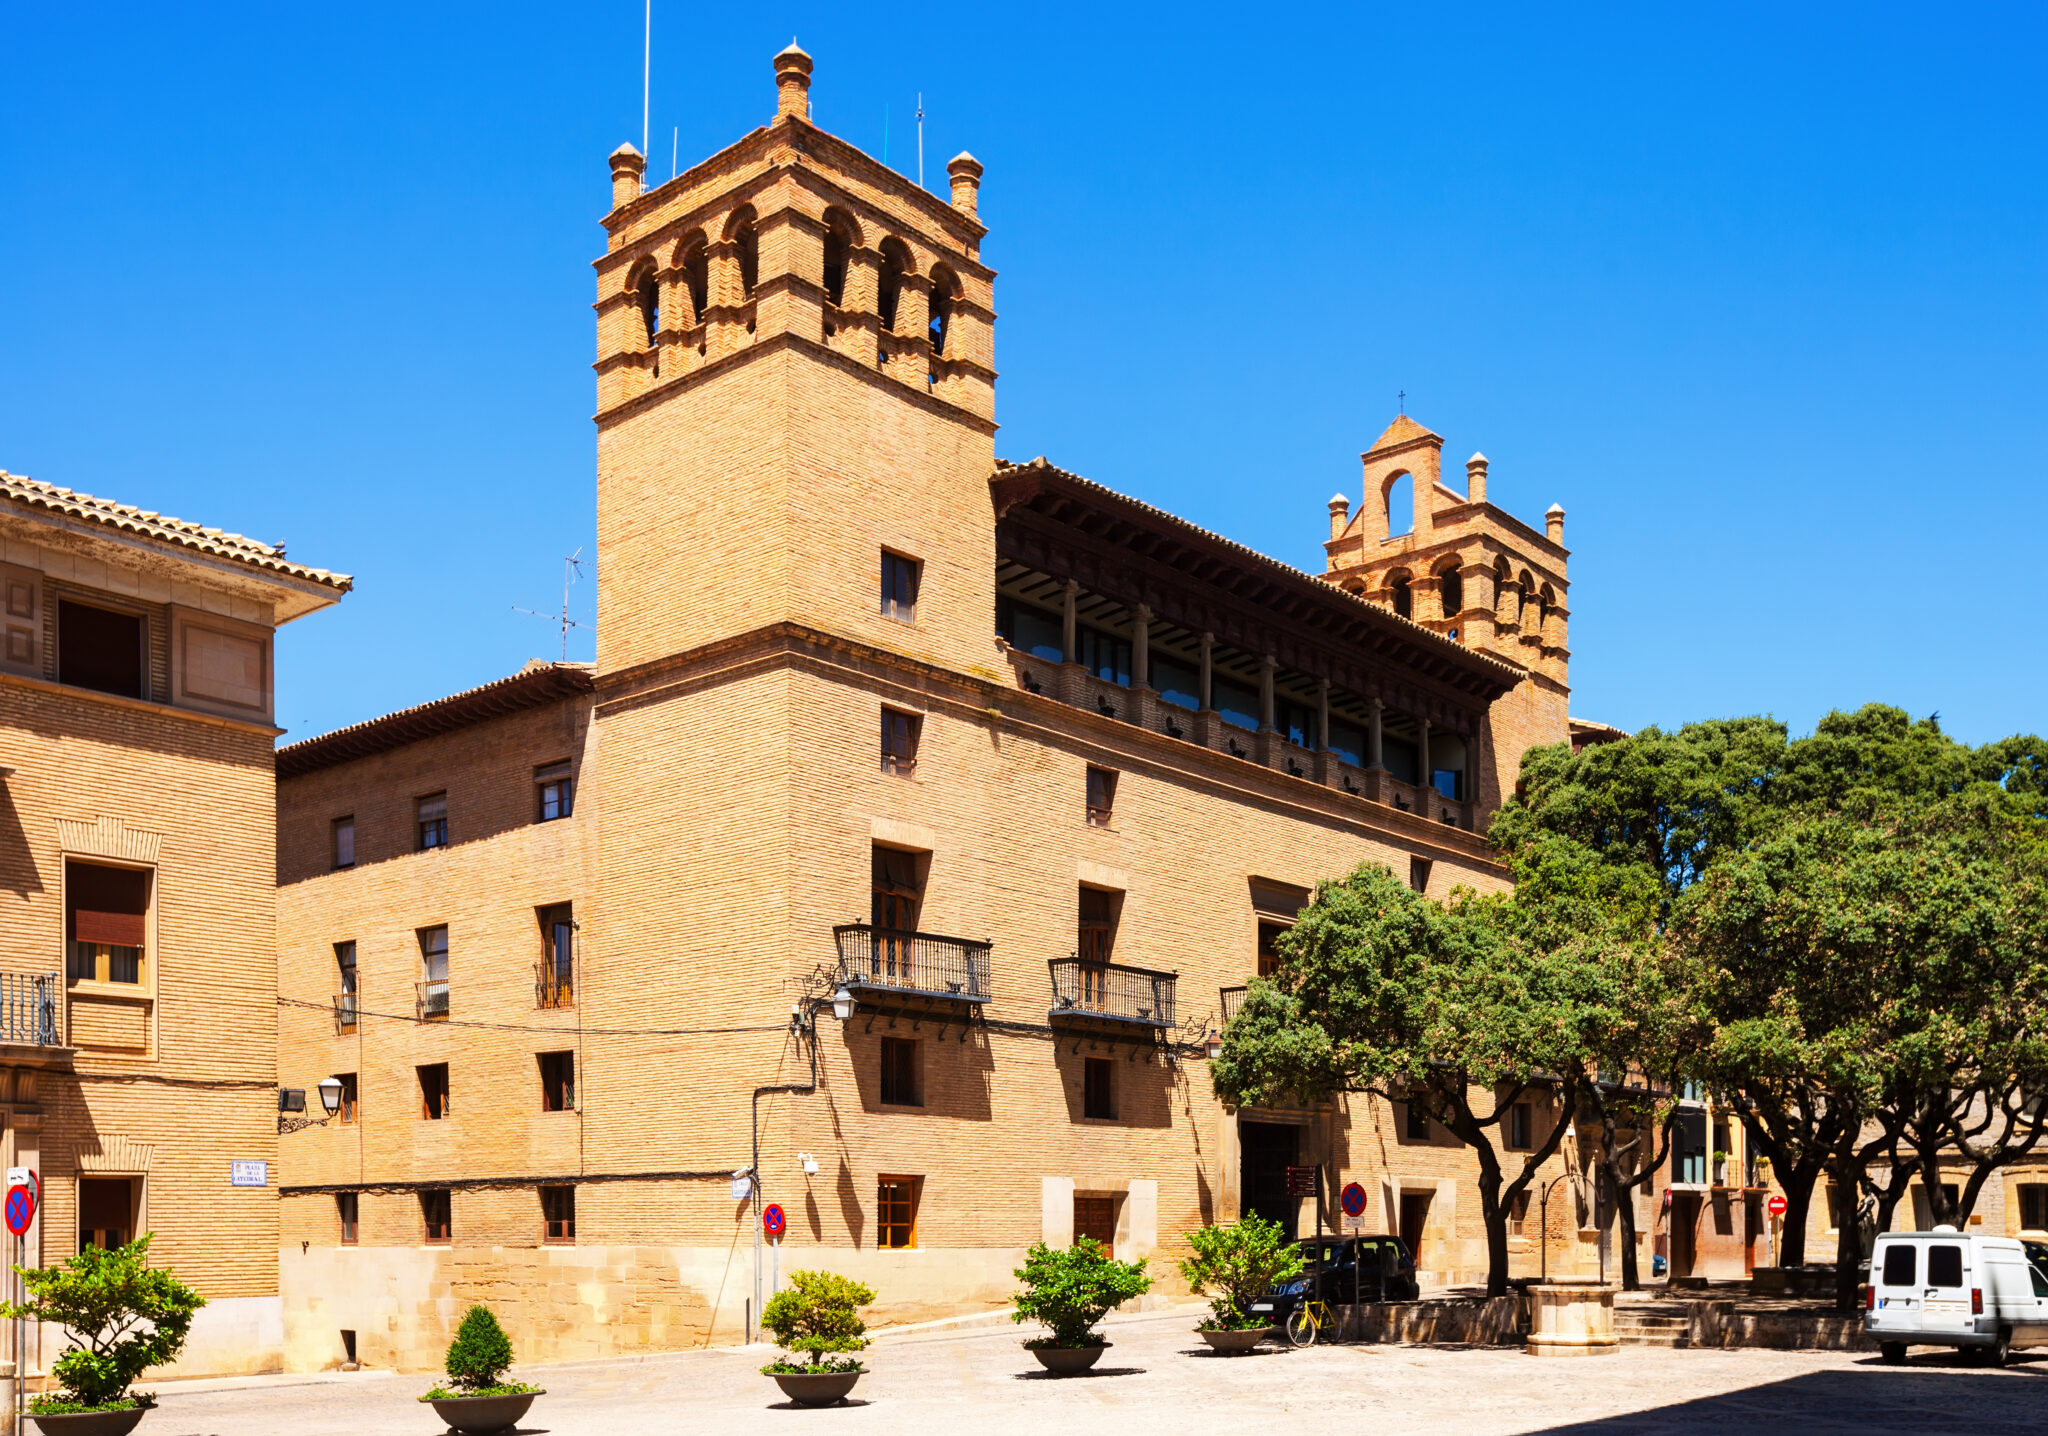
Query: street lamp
{"points": [[330, 1094], [842, 1002], [1214, 1046]]}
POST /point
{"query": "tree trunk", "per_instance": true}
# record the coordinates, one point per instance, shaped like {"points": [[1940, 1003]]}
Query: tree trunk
{"points": [[1625, 1217], [1798, 1184], [1848, 1252]]}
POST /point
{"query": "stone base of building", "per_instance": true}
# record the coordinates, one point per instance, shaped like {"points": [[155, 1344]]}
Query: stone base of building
{"points": [[231, 1336]]}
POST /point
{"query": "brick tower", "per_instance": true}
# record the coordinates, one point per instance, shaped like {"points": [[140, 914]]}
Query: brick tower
{"points": [[1469, 571]]}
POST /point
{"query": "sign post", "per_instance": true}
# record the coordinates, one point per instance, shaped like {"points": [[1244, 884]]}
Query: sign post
{"points": [[22, 1191], [1775, 1205], [1352, 1200], [773, 1224]]}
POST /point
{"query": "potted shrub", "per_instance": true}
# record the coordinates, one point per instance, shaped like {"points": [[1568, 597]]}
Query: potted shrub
{"points": [[818, 1314], [121, 1318], [481, 1398], [1070, 1289], [1235, 1266]]}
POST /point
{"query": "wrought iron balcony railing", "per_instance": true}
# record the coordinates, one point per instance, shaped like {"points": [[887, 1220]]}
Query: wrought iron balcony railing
{"points": [[346, 1011], [914, 962], [433, 1000], [552, 986], [1233, 998], [1113, 992], [28, 1008]]}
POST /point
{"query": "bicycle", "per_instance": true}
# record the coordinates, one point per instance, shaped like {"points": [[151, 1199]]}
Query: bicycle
{"points": [[1306, 1322]]}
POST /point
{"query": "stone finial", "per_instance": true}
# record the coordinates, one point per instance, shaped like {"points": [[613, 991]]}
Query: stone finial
{"points": [[628, 164], [1475, 479], [1553, 523], [1340, 515], [793, 82], [966, 172]]}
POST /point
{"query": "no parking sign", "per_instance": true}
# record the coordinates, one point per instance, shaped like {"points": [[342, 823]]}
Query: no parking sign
{"points": [[21, 1209], [773, 1222]]}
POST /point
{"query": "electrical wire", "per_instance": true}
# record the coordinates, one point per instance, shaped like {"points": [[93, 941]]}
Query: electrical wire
{"points": [[527, 1027]]}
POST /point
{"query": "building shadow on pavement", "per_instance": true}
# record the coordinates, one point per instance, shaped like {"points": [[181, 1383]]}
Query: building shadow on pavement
{"points": [[1092, 1374], [1920, 1397]]}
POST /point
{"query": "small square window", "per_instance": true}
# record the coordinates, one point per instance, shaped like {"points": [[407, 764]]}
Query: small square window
{"points": [[1518, 1213], [557, 1081], [431, 818], [433, 983], [896, 1212], [436, 1217], [558, 1214], [1098, 1089], [900, 577], [1415, 1121], [348, 1097], [554, 792], [900, 1085], [345, 1000], [1418, 874], [900, 732], [345, 842], [1269, 947], [1520, 1127], [433, 1091], [1101, 796], [345, 1209], [2034, 1206]]}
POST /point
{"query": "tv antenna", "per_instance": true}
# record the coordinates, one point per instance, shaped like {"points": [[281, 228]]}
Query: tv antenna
{"points": [[920, 135], [572, 570], [646, 76]]}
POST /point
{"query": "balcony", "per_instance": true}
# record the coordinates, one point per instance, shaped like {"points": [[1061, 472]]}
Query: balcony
{"points": [[1112, 993], [1232, 999], [28, 1009], [433, 1000], [553, 988], [346, 1011], [879, 964]]}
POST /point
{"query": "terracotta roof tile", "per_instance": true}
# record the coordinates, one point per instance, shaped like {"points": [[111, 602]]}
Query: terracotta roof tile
{"points": [[540, 681]]}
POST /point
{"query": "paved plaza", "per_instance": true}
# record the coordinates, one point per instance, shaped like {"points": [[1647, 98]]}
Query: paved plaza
{"points": [[1158, 1378]]}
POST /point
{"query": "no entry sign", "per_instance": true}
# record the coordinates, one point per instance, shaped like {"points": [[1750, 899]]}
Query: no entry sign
{"points": [[1353, 1199], [1776, 1205], [21, 1209], [772, 1221]]}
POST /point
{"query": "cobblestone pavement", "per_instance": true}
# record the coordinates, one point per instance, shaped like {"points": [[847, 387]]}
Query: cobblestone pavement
{"points": [[1157, 1378]]}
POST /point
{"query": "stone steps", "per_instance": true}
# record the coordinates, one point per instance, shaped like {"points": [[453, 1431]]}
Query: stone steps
{"points": [[1633, 1328]]}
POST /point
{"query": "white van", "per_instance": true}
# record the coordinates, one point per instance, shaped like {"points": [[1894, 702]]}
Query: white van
{"points": [[1950, 1288]]}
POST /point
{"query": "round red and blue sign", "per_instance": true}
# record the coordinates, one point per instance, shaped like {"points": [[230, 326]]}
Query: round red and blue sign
{"points": [[1353, 1199], [772, 1220], [21, 1209]]}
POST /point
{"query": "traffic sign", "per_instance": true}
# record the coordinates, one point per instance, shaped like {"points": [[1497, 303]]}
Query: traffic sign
{"points": [[21, 1209], [26, 1177], [1353, 1199], [772, 1221], [1776, 1205]]}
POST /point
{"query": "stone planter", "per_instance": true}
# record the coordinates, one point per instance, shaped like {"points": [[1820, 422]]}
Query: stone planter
{"points": [[1571, 1319], [1068, 1360], [484, 1413], [1235, 1343], [823, 1389], [92, 1423]]}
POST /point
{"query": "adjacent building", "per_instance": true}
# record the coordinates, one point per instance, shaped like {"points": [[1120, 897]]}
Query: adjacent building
{"points": [[922, 815], [138, 991]]}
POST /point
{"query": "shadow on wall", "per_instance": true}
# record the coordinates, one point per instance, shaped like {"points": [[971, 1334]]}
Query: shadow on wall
{"points": [[1113, 1082], [18, 873], [849, 1206], [1884, 1400], [906, 1063]]}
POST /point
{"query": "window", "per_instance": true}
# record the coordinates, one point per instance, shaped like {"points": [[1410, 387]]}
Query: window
{"points": [[431, 819], [1902, 1264], [899, 586], [1415, 1122], [558, 1214], [1098, 925], [1177, 683], [1418, 874], [1236, 703], [696, 267], [1404, 600], [1095, 1219], [554, 792], [100, 649], [1450, 587], [106, 1211], [1098, 1089], [1269, 947], [345, 1003], [898, 887], [1521, 1127], [433, 1091], [1032, 630], [900, 732], [1296, 722], [647, 299], [348, 1097], [106, 919], [747, 248], [345, 842], [900, 1085], [555, 980], [1101, 796], [2034, 1206], [838, 244], [1104, 655], [1944, 1265], [345, 1208], [436, 1219], [939, 311], [889, 283], [1518, 1214], [557, 1081], [896, 1212], [433, 995]]}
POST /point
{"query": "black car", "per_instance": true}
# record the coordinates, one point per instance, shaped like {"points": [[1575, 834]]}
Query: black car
{"points": [[1375, 1268]]}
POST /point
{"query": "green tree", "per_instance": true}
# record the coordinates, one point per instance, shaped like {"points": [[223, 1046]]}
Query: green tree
{"points": [[1236, 1264], [818, 1313], [1070, 1289], [480, 1353], [120, 1315]]}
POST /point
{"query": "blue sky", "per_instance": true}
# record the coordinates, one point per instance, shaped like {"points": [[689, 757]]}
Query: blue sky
{"points": [[1756, 293]]}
